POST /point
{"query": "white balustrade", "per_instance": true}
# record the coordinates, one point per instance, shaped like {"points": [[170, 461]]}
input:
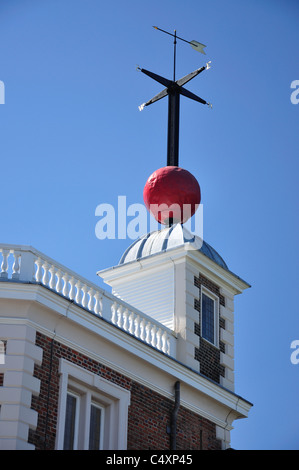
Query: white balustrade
{"points": [[25, 264], [142, 327]]}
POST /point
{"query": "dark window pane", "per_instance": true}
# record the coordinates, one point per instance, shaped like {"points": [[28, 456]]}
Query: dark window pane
{"points": [[95, 428], [70, 417], [208, 318]]}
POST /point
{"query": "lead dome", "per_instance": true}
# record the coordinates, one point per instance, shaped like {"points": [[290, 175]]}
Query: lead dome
{"points": [[166, 239]]}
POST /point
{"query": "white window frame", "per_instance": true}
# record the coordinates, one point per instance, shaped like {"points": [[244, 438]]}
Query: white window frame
{"points": [[77, 413], [215, 298], [114, 400], [102, 408], [85, 398]]}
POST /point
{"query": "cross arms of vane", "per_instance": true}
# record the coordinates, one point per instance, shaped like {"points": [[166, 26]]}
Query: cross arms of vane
{"points": [[173, 89]]}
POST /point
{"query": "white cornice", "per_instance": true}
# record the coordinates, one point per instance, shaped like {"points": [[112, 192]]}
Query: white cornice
{"points": [[219, 275], [216, 273]]}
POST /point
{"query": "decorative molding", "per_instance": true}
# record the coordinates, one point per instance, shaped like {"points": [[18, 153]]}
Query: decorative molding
{"points": [[222, 277]]}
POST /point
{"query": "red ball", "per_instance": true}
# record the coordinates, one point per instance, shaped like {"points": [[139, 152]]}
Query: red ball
{"points": [[172, 195]]}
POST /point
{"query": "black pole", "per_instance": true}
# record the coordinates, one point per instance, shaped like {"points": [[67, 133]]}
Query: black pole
{"points": [[173, 117], [174, 55], [173, 127]]}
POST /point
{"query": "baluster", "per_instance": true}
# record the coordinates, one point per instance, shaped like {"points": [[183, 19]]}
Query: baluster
{"points": [[52, 282], [65, 290], [4, 265], [113, 313], [38, 274], [46, 276], [154, 337], [72, 292], [164, 342], [119, 316], [131, 323], [168, 351], [98, 304], [84, 298], [158, 345], [59, 282], [90, 305], [142, 329], [137, 327], [16, 265], [125, 318], [79, 293], [148, 332]]}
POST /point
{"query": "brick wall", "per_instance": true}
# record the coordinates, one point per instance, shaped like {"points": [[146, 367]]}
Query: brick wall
{"points": [[149, 412], [207, 354]]}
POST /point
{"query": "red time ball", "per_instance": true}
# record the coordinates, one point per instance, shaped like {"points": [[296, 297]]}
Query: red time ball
{"points": [[172, 195]]}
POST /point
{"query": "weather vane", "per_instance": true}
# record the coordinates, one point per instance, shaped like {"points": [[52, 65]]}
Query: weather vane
{"points": [[174, 88]]}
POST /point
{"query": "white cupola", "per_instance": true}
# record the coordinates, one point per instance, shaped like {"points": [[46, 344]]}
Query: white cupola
{"points": [[167, 274]]}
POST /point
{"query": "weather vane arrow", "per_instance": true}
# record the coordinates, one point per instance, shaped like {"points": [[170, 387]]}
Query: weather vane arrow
{"points": [[173, 89], [198, 46]]}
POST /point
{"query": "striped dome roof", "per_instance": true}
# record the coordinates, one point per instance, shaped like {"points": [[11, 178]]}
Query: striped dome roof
{"points": [[166, 239]]}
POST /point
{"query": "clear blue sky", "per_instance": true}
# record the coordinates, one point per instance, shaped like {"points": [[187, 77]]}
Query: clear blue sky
{"points": [[72, 137]]}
